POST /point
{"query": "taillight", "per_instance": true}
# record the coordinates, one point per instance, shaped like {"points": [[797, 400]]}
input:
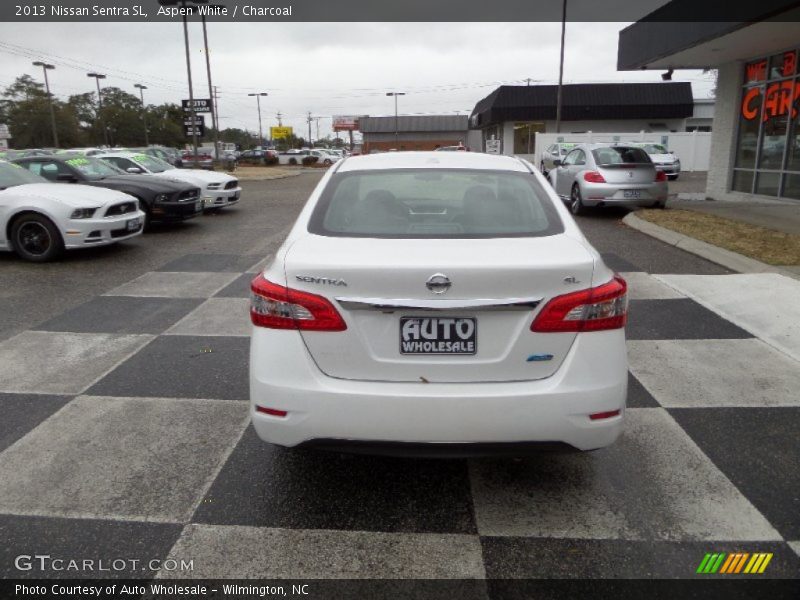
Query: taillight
{"points": [[593, 177], [595, 309], [661, 176], [277, 307]]}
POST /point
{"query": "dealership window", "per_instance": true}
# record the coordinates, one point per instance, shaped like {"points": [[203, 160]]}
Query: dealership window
{"points": [[767, 157], [525, 136]]}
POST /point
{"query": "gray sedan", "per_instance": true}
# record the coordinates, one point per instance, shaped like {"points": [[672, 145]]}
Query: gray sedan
{"points": [[606, 175]]}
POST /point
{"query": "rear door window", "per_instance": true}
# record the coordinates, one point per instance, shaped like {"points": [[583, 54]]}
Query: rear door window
{"points": [[428, 203]]}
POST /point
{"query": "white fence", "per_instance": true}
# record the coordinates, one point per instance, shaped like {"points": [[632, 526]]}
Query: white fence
{"points": [[693, 148]]}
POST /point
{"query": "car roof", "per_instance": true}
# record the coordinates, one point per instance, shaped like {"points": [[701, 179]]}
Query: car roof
{"points": [[120, 154], [432, 160]]}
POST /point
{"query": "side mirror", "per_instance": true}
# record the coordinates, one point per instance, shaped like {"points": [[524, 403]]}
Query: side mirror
{"points": [[67, 178], [557, 162], [134, 170]]}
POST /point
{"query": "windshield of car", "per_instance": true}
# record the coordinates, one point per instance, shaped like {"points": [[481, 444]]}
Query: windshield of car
{"points": [[566, 148], [151, 163], [11, 175], [440, 203], [619, 155], [655, 149], [93, 168]]}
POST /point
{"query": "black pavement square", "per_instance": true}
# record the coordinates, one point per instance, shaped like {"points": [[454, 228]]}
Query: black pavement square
{"points": [[183, 367], [534, 558], [209, 263], [757, 449], [638, 396], [618, 264], [269, 486], [238, 288], [79, 540], [23, 412], [122, 314], [678, 319]]}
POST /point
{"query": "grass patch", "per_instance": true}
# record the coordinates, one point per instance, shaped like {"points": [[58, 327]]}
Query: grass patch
{"points": [[767, 245]]}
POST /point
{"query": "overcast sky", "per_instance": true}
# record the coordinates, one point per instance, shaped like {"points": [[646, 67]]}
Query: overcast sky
{"points": [[326, 68]]}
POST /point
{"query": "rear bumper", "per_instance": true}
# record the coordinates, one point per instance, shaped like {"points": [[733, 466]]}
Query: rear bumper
{"points": [[326, 411], [608, 194]]}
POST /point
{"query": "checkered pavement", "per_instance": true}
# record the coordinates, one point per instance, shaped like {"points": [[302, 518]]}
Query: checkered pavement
{"points": [[125, 434]]}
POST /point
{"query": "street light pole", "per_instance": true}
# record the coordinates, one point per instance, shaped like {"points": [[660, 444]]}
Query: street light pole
{"points": [[45, 68], [142, 88], [561, 65], [260, 130], [396, 132], [192, 114], [97, 77], [214, 117]]}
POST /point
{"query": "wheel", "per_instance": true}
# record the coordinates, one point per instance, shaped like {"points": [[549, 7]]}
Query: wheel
{"points": [[661, 205], [672, 177], [292, 161], [576, 204], [35, 238], [327, 162]]}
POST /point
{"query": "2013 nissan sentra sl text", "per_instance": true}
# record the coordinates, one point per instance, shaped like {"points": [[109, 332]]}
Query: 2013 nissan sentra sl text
{"points": [[437, 303]]}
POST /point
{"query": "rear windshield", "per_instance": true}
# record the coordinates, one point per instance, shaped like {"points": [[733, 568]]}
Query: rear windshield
{"points": [[620, 155], [428, 203]]}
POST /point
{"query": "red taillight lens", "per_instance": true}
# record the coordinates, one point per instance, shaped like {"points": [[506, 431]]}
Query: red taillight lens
{"points": [[661, 176], [605, 415], [593, 177], [595, 309], [273, 412], [277, 307]]}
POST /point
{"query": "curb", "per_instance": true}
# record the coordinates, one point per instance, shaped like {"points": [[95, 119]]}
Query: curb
{"points": [[730, 260], [268, 177]]}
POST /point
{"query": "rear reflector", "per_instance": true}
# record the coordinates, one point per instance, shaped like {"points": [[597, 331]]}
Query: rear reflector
{"points": [[604, 415], [277, 307], [271, 411], [595, 309], [661, 176]]}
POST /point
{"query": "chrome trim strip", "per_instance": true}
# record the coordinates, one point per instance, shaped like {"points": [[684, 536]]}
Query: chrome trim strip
{"points": [[392, 304]]}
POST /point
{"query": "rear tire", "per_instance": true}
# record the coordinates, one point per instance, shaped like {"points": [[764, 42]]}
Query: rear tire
{"points": [[672, 177], [576, 205], [35, 238], [292, 161]]}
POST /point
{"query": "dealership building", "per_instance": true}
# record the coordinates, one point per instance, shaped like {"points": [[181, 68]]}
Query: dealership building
{"points": [[415, 132], [514, 115], [755, 143]]}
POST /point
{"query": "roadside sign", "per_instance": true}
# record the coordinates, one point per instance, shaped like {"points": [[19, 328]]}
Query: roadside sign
{"points": [[345, 123], [200, 105], [493, 146], [280, 133], [198, 129]]}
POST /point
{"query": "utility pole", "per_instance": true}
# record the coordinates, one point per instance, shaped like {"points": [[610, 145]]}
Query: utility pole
{"points": [[97, 78], [561, 65], [214, 119], [215, 100], [45, 68], [142, 88], [396, 131], [192, 114], [260, 130], [309, 129], [280, 119]]}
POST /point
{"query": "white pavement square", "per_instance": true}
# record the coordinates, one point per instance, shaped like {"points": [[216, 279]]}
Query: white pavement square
{"points": [[120, 458], [46, 362], [216, 316], [765, 304], [653, 484], [252, 552], [643, 286], [713, 373], [165, 284]]}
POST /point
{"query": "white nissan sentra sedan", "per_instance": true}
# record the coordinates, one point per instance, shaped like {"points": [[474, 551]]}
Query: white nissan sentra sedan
{"points": [[437, 303]]}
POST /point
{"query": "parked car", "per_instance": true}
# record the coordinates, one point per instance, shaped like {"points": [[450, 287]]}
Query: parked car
{"points": [[292, 157], [663, 159], [324, 157], [10, 155], [84, 151], [169, 155], [160, 199], [202, 160], [552, 153], [218, 189], [437, 303], [459, 148], [39, 219], [608, 175]]}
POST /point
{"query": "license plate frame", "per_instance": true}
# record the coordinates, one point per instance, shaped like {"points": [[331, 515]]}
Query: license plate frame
{"points": [[449, 330], [632, 194], [132, 225]]}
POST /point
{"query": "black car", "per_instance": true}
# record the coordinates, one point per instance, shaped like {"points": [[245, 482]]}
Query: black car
{"points": [[160, 199]]}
